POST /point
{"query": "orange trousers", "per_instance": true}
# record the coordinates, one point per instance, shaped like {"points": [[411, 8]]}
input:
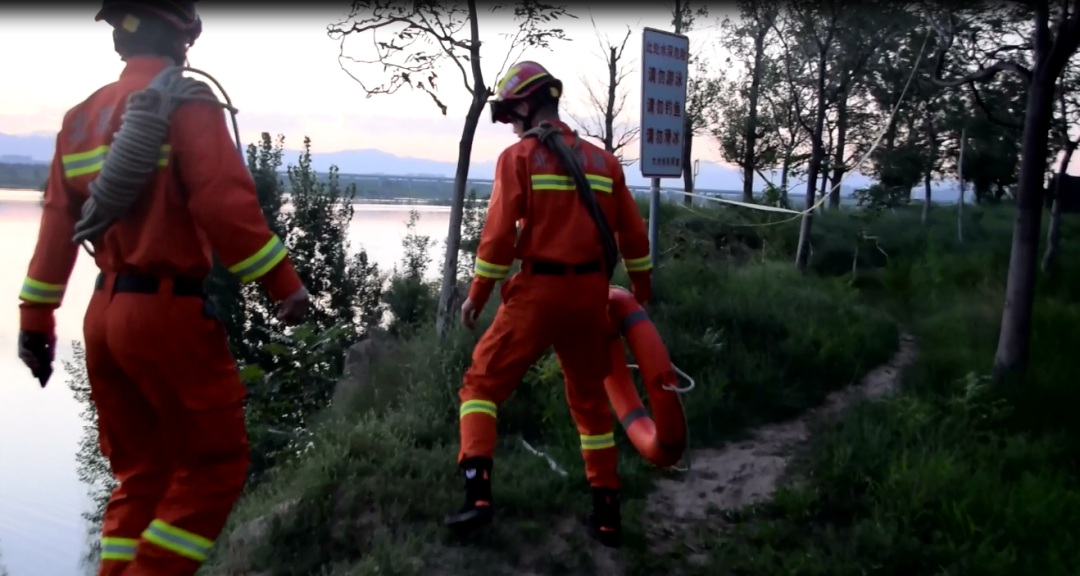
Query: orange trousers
{"points": [[171, 423], [539, 311]]}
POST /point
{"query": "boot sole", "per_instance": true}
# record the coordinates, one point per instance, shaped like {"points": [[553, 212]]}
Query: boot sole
{"points": [[470, 520], [614, 541]]}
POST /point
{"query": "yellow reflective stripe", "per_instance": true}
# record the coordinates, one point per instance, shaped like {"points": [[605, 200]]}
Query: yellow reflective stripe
{"points": [[598, 442], [552, 182], [122, 549], [556, 182], [478, 407], [525, 83], [600, 183], [489, 270], [41, 292], [638, 264], [178, 540], [257, 265], [84, 162]]}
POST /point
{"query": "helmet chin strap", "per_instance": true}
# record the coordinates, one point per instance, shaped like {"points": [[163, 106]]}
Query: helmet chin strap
{"points": [[526, 119]]}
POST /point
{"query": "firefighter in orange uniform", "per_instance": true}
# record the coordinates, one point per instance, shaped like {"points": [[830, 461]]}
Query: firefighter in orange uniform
{"points": [[167, 391], [559, 298]]}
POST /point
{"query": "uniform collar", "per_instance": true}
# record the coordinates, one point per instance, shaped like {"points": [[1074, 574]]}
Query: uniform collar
{"points": [[143, 66]]}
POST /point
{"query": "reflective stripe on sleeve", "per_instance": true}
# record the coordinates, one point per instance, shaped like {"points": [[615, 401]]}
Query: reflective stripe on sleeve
{"points": [[478, 407], [163, 160], [489, 270], [122, 549], [91, 161], [598, 442], [257, 265], [178, 540], [638, 264], [41, 292], [84, 162]]}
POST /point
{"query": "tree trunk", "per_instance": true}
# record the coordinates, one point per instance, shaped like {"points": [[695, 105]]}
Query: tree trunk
{"points": [[802, 256], [824, 182], [1015, 338], [687, 152], [751, 122], [960, 175], [1053, 234], [926, 201], [931, 160], [838, 158], [448, 293], [785, 170], [609, 113], [688, 122], [910, 139]]}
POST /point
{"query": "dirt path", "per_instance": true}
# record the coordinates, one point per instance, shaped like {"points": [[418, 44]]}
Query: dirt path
{"points": [[747, 472]]}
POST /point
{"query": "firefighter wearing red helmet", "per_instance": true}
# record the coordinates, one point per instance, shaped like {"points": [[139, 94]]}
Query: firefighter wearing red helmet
{"points": [[559, 298], [168, 396]]}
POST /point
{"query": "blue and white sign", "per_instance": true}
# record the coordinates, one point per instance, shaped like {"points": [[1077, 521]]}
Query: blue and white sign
{"points": [[664, 58]]}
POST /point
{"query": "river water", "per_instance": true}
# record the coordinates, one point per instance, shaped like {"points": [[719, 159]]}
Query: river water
{"points": [[41, 497]]}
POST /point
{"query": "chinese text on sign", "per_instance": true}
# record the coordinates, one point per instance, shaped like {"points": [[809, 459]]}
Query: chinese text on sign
{"points": [[663, 102]]}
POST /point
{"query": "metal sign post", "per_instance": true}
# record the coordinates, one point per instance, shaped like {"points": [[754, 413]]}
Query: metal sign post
{"points": [[664, 72]]}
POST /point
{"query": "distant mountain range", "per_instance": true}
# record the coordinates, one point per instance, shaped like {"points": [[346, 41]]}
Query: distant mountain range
{"points": [[38, 148]]}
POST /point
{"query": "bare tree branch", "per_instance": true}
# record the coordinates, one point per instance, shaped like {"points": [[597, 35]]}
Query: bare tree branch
{"points": [[985, 74]]}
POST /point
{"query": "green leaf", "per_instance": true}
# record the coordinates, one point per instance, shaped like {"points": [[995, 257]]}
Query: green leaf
{"points": [[276, 348]]}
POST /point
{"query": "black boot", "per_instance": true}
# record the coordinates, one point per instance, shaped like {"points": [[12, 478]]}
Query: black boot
{"points": [[605, 521], [477, 510]]}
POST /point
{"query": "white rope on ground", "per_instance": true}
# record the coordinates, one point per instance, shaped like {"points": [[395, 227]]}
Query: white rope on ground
{"points": [[551, 461], [836, 185], [131, 160]]}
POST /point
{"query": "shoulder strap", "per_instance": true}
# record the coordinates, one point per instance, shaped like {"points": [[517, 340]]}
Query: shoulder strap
{"points": [[551, 137]]}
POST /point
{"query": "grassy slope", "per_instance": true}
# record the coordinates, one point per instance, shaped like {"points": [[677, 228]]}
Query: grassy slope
{"points": [[763, 343], [952, 477]]}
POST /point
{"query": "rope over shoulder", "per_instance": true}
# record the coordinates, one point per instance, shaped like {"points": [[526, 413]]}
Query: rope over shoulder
{"points": [[132, 159], [551, 137]]}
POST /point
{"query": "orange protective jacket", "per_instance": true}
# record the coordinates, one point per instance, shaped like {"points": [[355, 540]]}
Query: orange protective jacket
{"points": [[202, 197], [532, 189]]}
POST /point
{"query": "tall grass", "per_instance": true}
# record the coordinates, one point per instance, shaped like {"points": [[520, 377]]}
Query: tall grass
{"points": [[953, 476], [762, 342]]}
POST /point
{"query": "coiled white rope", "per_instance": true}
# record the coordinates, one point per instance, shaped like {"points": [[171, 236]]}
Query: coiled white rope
{"points": [[132, 159]]}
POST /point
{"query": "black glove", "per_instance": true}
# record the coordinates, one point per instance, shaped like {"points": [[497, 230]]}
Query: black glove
{"points": [[37, 350]]}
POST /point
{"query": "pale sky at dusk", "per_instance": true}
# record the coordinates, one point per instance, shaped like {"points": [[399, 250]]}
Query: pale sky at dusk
{"points": [[282, 72]]}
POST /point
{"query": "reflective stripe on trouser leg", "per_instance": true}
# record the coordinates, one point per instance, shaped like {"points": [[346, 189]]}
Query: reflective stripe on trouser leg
{"points": [[178, 540], [601, 460], [477, 421]]}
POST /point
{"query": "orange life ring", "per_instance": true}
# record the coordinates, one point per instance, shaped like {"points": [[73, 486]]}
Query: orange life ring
{"points": [[662, 441]]}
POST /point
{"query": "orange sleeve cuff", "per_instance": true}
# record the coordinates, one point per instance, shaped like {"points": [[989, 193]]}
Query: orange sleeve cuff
{"points": [[36, 319], [281, 281], [480, 291]]}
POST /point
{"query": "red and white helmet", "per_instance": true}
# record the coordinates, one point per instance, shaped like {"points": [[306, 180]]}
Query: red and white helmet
{"points": [[524, 80], [177, 13]]}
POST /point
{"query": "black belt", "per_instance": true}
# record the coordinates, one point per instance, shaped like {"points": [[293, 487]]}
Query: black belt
{"points": [[557, 269], [149, 284]]}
